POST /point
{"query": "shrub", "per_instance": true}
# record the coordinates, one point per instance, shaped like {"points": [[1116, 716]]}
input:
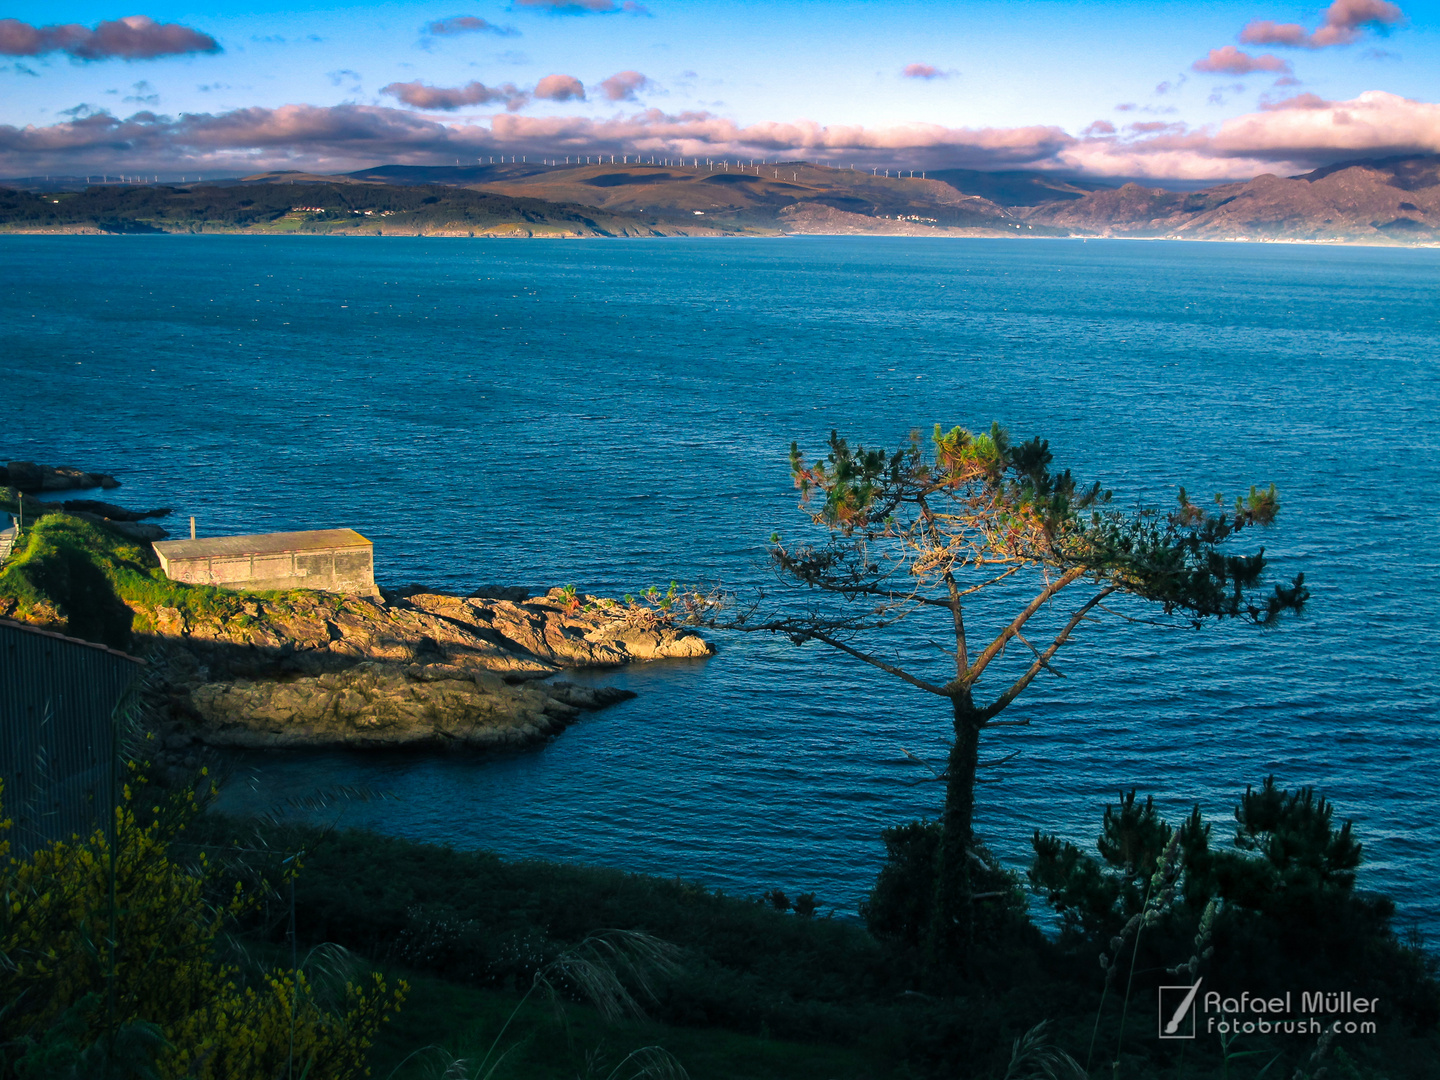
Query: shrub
{"points": [[1285, 908], [898, 909], [478, 919], [111, 962]]}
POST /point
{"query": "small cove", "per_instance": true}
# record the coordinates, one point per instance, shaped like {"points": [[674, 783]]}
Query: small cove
{"points": [[619, 414]]}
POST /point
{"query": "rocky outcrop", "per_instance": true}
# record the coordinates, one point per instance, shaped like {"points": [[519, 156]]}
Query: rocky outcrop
{"points": [[423, 670], [564, 631], [391, 706], [307, 633], [30, 477], [414, 668], [129, 523], [135, 530], [111, 512]]}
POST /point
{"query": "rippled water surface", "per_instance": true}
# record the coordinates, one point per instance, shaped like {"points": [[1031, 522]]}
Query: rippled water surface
{"points": [[615, 414]]}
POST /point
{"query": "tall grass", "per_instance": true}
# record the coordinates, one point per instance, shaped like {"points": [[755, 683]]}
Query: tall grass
{"points": [[607, 969]]}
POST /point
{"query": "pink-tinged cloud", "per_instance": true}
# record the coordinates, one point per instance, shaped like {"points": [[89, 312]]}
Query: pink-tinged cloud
{"points": [[1374, 124], [1288, 137], [585, 7], [1150, 127], [560, 88], [1299, 101], [448, 98], [1344, 20], [1231, 61], [1099, 127], [923, 71], [468, 24], [1265, 32], [624, 85], [346, 137], [137, 37]]}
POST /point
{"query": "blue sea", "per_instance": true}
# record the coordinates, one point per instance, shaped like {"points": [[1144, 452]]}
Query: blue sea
{"points": [[616, 414]]}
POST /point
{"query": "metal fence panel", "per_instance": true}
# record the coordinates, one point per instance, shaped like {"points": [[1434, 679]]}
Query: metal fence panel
{"points": [[58, 703]]}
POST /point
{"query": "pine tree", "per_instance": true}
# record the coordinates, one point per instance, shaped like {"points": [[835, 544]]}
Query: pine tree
{"points": [[964, 526]]}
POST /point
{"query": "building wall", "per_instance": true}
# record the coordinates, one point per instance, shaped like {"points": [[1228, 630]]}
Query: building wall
{"points": [[340, 570]]}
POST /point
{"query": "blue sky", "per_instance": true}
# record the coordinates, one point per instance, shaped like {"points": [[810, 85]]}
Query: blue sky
{"points": [[992, 85]]}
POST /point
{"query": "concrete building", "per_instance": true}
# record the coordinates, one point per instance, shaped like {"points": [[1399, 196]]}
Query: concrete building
{"points": [[333, 560]]}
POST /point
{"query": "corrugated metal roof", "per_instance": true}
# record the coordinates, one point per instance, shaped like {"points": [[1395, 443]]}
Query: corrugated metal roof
{"points": [[58, 710], [261, 544]]}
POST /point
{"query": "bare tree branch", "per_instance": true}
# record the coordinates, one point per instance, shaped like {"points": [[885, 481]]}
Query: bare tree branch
{"points": [[891, 595], [994, 580], [993, 649], [1048, 667], [936, 773], [1026, 679], [899, 673], [962, 656], [993, 762]]}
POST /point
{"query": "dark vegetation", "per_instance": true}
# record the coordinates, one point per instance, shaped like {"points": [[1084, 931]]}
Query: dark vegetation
{"points": [[342, 208], [743, 987], [117, 962], [1275, 902], [1273, 909]]}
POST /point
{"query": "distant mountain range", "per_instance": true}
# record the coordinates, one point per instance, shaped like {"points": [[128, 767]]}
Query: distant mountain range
{"points": [[792, 197], [1387, 200], [1381, 201]]}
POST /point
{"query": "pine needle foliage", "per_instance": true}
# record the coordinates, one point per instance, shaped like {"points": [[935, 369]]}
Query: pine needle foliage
{"points": [[1275, 907], [978, 529]]}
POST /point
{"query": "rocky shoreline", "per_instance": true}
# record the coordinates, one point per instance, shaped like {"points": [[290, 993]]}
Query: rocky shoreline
{"points": [[420, 670], [414, 668], [31, 478]]}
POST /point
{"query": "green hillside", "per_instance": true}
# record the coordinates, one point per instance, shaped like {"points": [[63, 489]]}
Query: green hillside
{"points": [[354, 209]]}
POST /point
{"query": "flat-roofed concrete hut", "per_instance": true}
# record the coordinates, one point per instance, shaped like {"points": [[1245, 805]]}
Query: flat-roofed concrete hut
{"points": [[332, 560]]}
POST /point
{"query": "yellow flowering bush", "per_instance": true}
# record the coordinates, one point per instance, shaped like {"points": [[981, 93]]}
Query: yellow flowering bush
{"points": [[108, 951]]}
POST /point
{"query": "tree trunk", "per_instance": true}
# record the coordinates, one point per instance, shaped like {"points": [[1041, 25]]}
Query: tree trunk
{"points": [[952, 925]]}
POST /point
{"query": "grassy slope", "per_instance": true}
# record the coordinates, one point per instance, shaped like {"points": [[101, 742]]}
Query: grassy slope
{"points": [[762, 993], [481, 920], [443, 1021], [91, 582], [759, 994], [268, 208]]}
